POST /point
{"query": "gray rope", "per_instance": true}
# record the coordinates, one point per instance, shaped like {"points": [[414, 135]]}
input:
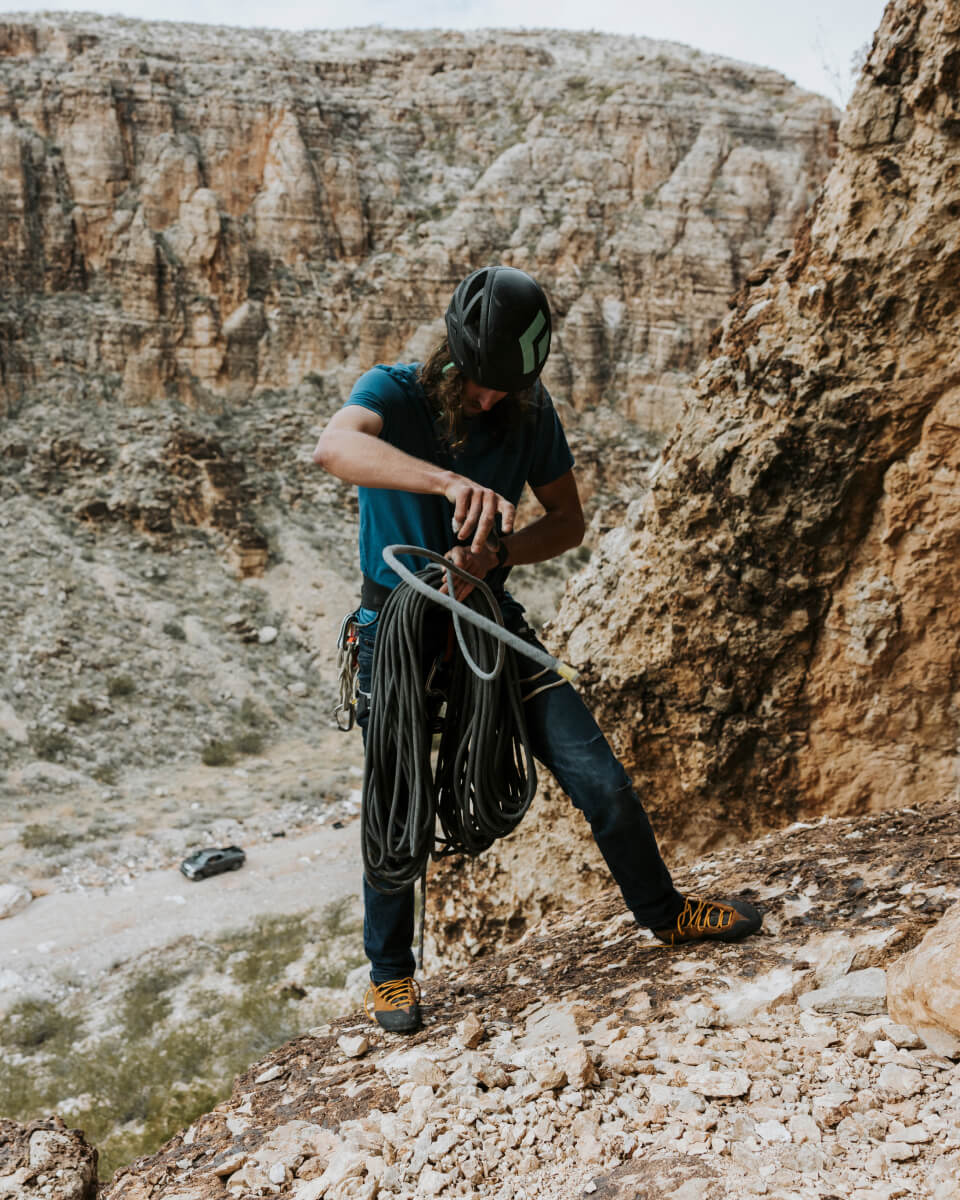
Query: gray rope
{"points": [[494, 628]]}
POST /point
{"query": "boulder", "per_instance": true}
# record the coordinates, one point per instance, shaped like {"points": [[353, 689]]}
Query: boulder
{"points": [[13, 899], [46, 1159], [863, 992], [924, 986]]}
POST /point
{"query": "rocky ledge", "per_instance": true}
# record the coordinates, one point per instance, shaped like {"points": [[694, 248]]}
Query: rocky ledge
{"points": [[592, 1060]]}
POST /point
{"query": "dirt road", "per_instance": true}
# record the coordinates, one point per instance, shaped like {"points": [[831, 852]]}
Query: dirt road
{"points": [[68, 935]]}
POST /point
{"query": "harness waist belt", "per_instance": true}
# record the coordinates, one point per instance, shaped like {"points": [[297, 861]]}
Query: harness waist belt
{"points": [[374, 595]]}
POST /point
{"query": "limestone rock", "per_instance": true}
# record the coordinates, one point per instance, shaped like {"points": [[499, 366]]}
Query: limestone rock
{"points": [[45, 1159], [924, 986], [830, 1108], [661, 1174], [226, 233], [898, 1083], [776, 613], [863, 992], [13, 899], [710, 1083], [470, 1031], [578, 1066], [770, 633], [354, 1047]]}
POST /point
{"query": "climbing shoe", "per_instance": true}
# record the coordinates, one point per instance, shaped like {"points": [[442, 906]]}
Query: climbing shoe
{"points": [[716, 920], [394, 1005]]}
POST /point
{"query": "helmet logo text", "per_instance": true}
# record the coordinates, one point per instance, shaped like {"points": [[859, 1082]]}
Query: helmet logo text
{"points": [[533, 354]]}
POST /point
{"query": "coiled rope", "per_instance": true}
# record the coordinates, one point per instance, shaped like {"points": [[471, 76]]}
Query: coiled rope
{"points": [[484, 777]]}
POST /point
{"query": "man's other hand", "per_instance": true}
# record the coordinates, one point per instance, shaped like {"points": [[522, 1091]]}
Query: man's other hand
{"points": [[475, 511], [477, 564]]}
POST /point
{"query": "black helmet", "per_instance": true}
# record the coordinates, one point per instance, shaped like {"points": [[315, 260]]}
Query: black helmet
{"points": [[498, 328]]}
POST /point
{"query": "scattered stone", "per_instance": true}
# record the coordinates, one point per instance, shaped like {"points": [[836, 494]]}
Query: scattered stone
{"points": [[898, 1083], [432, 1183], [354, 1047], [863, 992], [717, 1084], [470, 1031], [424, 1070], [267, 634], [13, 899], [232, 1162], [578, 1067], [902, 1037], [270, 1074], [831, 1107], [773, 1131]]}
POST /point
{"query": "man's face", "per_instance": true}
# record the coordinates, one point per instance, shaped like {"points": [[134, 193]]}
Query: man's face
{"points": [[477, 399]]}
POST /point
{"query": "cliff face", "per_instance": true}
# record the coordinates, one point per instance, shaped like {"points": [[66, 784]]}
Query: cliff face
{"points": [[773, 631], [197, 213]]}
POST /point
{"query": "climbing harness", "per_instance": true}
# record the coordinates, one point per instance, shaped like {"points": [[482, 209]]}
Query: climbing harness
{"points": [[345, 714]]}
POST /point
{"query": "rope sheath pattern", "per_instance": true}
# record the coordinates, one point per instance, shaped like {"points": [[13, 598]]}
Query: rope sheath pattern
{"points": [[484, 778]]}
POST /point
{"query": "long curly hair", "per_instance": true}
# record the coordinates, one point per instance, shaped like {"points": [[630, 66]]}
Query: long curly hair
{"points": [[442, 382]]}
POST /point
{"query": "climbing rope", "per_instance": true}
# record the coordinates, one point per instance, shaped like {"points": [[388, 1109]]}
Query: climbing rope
{"points": [[484, 777]]}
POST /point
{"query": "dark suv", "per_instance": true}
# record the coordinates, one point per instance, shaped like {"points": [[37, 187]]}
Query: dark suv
{"points": [[213, 862]]}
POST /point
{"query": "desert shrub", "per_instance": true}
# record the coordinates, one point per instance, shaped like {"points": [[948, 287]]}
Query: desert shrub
{"points": [[49, 743], [121, 685], [175, 631], [34, 1023], [80, 710], [250, 714], [250, 742], [45, 837], [217, 753]]}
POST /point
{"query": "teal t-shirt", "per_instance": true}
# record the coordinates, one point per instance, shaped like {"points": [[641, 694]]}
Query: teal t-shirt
{"points": [[494, 455]]}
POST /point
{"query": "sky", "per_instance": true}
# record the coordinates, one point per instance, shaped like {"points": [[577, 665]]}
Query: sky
{"points": [[812, 43]]}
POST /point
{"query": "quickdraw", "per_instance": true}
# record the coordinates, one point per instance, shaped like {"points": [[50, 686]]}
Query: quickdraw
{"points": [[345, 714]]}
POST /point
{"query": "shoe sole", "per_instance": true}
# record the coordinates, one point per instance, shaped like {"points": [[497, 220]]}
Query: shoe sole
{"points": [[399, 1022]]}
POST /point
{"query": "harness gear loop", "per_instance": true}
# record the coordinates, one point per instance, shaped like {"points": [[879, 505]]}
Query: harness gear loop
{"points": [[345, 714]]}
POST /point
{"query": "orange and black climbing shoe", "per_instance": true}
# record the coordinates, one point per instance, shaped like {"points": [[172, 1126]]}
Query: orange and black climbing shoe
{"points": [[716, 920], [394, 1005]]}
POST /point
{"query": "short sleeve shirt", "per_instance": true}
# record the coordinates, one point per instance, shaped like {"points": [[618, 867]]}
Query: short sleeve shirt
{"points": [[504, 458]]}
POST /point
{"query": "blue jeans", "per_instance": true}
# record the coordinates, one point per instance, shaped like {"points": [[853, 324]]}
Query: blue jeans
{"points": [[566, 739]]}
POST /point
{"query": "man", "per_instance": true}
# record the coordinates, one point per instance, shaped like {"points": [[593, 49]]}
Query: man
{"points": [[447, 446]]}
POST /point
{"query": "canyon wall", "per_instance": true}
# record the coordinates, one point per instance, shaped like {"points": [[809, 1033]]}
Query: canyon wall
{"points": [[773, 632], [199, 214]]}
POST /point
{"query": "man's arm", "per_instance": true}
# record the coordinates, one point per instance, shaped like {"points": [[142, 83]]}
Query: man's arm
{"points": [[351, 448], [560, 528]]}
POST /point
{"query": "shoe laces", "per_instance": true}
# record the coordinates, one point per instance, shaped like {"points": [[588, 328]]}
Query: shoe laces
{"points": [[398, 993], [703, 915]]}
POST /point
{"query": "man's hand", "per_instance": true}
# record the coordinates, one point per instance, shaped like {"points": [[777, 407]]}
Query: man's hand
{"points": [[475, 511], [477, 564]]}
